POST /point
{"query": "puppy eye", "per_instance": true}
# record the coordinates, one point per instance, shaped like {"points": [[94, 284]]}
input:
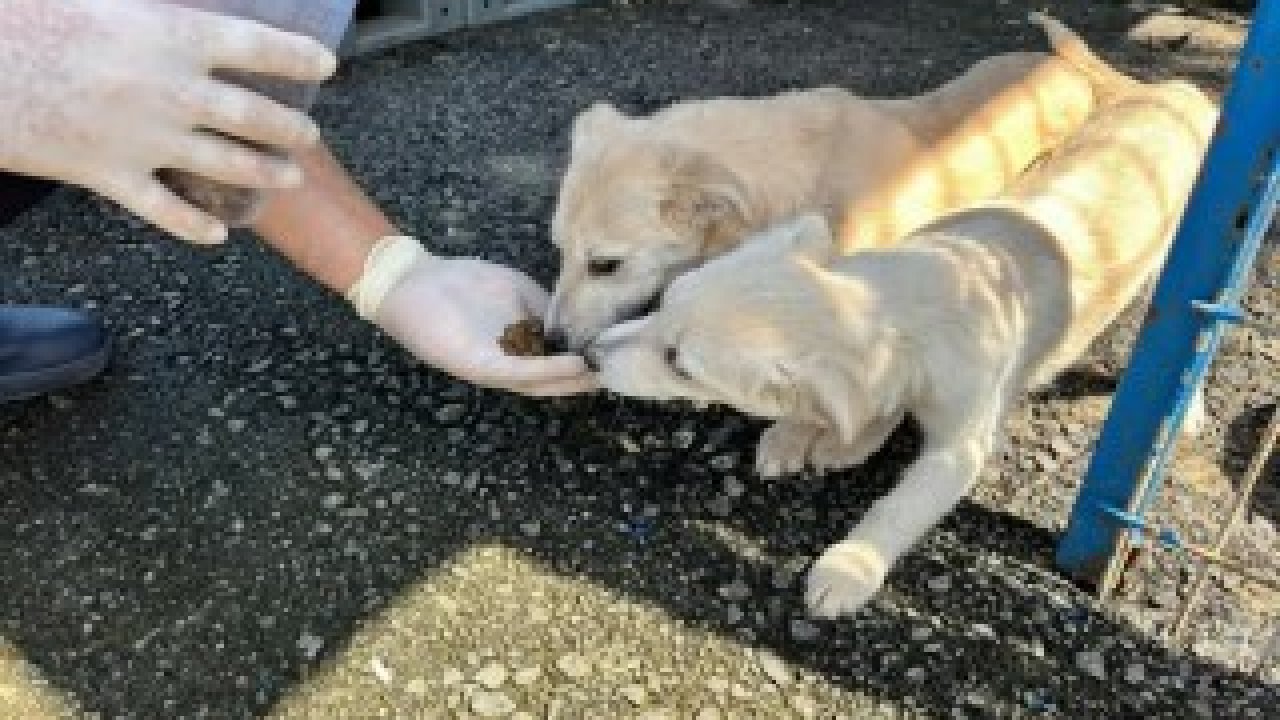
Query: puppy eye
{"points": [[672, 357], [602, 267]]}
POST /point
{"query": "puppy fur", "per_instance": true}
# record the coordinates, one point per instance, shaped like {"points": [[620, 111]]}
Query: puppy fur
{"points": [[646, 198], [952, 325]]}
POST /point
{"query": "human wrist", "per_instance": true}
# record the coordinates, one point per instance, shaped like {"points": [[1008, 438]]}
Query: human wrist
{"points": [[389, 260]]}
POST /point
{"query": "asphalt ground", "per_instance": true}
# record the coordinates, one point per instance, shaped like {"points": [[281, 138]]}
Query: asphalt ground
{"points": [[266, 509]]}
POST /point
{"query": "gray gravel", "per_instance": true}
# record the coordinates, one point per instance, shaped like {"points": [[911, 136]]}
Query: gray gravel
{"points": [[265, 508]]}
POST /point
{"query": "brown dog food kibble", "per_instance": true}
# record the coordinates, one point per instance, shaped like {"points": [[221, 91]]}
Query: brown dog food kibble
{"points": [[523, 339]]}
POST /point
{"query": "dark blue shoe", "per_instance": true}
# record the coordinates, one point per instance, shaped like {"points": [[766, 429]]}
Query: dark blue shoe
{"points": [[46, 349]]}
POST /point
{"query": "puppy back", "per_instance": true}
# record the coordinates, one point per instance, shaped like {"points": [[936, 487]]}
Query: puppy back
{"points": [[1112, 196]]}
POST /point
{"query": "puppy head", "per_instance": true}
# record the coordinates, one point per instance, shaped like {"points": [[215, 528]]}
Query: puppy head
{"points": [[768, 330], [635, 210]]}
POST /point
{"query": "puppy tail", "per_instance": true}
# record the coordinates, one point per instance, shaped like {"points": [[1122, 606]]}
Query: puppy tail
{"points": [[1072, 48]]}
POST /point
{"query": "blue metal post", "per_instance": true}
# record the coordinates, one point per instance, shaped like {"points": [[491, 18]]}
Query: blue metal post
{"points": [[1198, 291]]}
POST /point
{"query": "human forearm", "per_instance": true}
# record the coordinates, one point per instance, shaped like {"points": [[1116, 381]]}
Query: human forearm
{"points": [[326, 227], [449, 312]]}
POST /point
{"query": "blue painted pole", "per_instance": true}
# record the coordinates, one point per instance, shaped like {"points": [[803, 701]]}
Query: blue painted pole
{"points": [[1198, 291]]}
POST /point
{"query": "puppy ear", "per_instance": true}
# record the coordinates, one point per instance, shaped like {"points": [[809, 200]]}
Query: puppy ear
{"points": [[704, 197], [806, 235], [810, 235], [599, 119]]}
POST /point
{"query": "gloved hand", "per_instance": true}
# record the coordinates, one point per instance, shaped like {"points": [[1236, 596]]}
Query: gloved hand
{"points": [[102, 94], [450, 313]]}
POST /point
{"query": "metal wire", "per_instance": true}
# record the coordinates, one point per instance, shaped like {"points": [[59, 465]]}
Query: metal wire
{"points": [[1213, 555]]}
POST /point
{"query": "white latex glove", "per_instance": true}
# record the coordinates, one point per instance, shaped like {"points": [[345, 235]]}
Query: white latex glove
{"points": [[450, 313], [102, 94]]}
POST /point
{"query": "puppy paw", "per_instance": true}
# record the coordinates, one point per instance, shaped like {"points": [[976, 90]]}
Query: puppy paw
{"points": [[830, 453], [843, 579], [784, 448]]}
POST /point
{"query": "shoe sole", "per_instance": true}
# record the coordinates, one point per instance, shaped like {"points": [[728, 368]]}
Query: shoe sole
{"points": [[42, 382]]}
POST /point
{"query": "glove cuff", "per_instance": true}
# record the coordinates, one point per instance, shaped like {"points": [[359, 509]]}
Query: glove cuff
{"points": [[387, 263]]}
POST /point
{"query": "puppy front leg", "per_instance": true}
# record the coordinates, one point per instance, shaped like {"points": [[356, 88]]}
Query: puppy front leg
{"points": [[848, 573]]}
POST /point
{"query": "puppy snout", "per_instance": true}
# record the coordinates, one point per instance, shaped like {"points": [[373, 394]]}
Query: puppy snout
{"points": [[556, 340]]}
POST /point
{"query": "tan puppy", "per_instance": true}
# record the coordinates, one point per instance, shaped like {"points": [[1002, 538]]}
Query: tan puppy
{"points": [[644, 199], [950, 326]]}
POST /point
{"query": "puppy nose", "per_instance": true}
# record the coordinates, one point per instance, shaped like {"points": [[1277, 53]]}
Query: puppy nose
{"points": [[556, 340], [592, 358]]}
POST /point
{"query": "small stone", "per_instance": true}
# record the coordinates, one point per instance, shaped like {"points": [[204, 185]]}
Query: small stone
{"points": [[492, 676], [735, 592], [733, 614], [531, 528], [940, 583], [635, 694], [332, 500], [288, 402], [450, 413], [922, 633], [782, 578], [708, 713], [723, 462], [416, 686], [984, 630], [1045, 462], [491, 704], [628, 444], [1091, 663], [322, 453], [733, 487], [380, 670], [804, 706], [720, 506], [1035, 701], [804, 631], [775, 668], [1135, 674], [574, 665], [527, 676], [451, 677], [310, 645]]}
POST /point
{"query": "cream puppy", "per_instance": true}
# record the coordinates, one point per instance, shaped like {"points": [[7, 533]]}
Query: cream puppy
{"points": [[952, 325], [646, 198]]}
